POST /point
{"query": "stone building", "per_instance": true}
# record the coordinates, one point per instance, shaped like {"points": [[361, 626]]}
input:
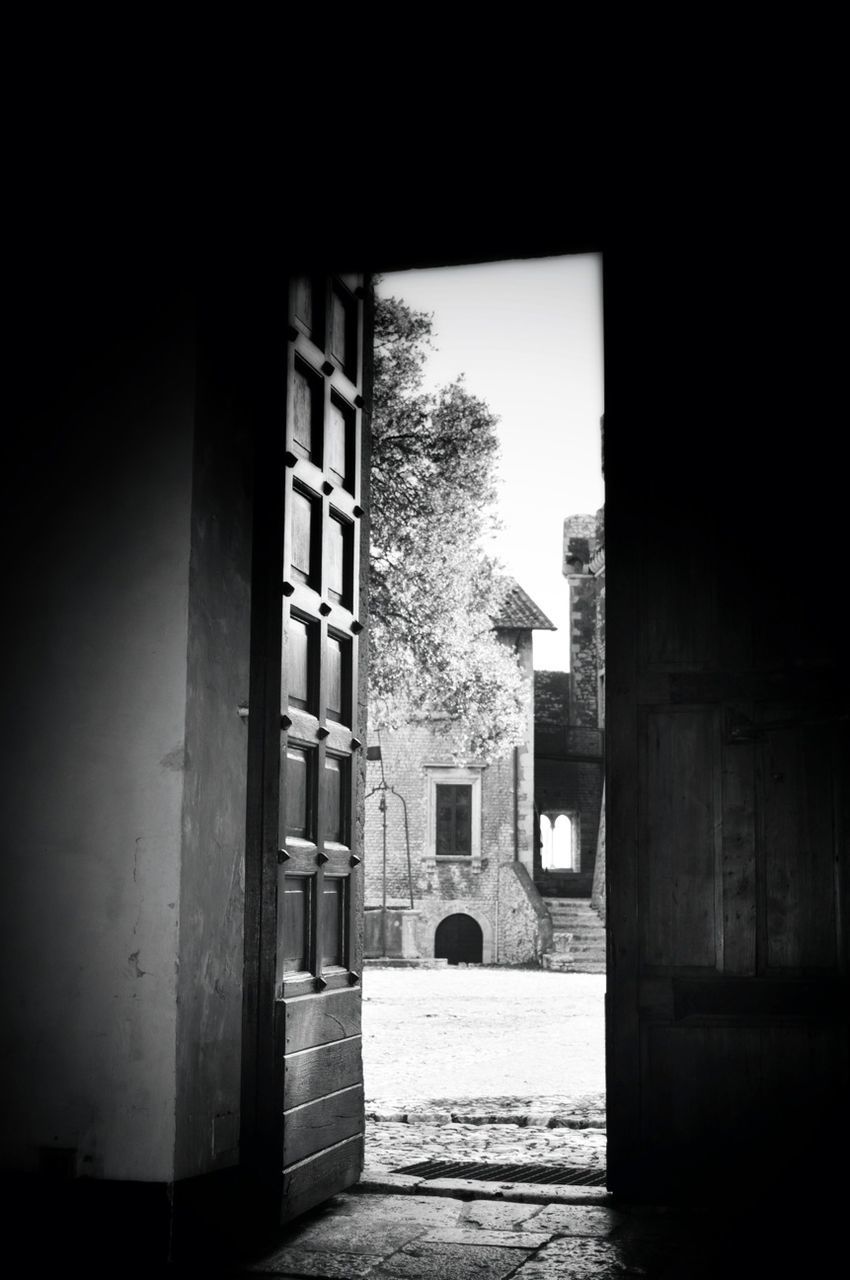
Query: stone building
{"points": [[569, 728], [456, 877], [569, 855]]}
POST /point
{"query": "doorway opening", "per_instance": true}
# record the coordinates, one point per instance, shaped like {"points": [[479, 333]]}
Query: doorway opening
{"points": [[458, 940], [485, 871]]}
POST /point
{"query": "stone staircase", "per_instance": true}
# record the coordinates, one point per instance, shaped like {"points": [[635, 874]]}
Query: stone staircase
{"points": [[578, 944]]}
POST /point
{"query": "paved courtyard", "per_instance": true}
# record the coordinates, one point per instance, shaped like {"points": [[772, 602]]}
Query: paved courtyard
{"points": [[481, 1033], [487, 1064]]}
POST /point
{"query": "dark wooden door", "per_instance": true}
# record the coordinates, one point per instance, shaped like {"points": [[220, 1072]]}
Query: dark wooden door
{"points": [[727, 1001], [307, 1122]]}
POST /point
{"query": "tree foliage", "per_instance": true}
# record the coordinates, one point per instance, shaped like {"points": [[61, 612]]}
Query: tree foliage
{"points": [[434, 590]]}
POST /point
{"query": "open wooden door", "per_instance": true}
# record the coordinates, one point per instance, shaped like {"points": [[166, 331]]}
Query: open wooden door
{"points": [[304, 1095], [728, 1004]]}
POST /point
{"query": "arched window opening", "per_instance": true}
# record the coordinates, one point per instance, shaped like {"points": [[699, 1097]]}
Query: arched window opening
{"points": [[562, 843], [557, 842], [459, 940]]}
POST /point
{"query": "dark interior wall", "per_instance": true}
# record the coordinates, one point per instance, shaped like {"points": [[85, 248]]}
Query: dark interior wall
{"points": [[95, 551]]}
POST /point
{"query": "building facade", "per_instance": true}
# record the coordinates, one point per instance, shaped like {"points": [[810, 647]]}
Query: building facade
{"points": [[570, 730], [449, 846]]}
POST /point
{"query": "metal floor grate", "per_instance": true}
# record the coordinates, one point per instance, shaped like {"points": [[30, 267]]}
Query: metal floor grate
{"points": [[557, 1175]]}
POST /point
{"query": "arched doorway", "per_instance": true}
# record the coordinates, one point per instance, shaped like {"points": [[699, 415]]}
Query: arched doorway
{"points": [[459, 940]]}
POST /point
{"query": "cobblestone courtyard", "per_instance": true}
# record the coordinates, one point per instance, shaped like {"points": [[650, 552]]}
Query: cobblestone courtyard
{"points": [[485, 1064]]}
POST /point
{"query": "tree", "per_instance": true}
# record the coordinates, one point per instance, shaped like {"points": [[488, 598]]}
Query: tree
{"points": [[434, 589]]}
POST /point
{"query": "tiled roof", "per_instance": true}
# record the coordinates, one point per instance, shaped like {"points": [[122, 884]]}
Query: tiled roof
{"points": [[519, 610]]}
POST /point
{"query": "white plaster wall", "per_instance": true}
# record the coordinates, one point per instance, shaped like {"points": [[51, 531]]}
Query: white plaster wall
{"points": [[92, 778]]}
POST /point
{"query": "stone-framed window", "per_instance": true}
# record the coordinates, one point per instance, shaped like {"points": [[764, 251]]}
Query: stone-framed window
{"points": [[454, 815], [454, 820]]}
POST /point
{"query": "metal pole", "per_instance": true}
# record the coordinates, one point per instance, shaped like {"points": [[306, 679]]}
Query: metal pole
{"points": [[407, 845], [384, 898], [384, 834]]}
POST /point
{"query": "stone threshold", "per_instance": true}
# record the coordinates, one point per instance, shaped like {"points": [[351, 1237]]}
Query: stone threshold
{"points": [[376, 1178]]}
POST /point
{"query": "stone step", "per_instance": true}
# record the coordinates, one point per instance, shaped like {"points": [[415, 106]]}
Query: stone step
{"points": [[590, 917], [562, 940], [579, 926], [564, 947], [563, 925], [571, 940], [581, 933], [568, 904], [571, 964]]}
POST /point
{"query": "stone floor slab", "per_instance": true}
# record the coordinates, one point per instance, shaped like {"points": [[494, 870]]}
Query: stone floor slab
{"points": [[380, 1178], [450, 1262], [371, 1233], [329, 1263], [588, 1259], [425, 1211], [480, 1236], [575, 1220], [497, 1215]]}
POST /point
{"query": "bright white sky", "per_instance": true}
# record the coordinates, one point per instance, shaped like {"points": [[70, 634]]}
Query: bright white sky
{"points": [[528, 336]]}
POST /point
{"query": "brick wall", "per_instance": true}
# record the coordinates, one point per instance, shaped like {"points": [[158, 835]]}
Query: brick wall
{"points": [[584, 591]]}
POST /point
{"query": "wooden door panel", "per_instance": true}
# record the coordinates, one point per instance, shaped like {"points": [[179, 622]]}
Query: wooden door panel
{"points": [[308, 1023], [313, 1126], [310, 1109], [753, 1070], [325, 1068], [727, 982], [320, 1002], [312, 1181], [674, 570], [738, 855], [306, 410], [679, 854], [796, 809]]}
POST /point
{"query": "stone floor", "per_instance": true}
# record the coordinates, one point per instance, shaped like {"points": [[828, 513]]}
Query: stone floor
{"points": [[391, 1237], [491, 1065], [527, 1235], [504, 1066]]}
